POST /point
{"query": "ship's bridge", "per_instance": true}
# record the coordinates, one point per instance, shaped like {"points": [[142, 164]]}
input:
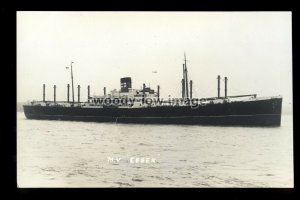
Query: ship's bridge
{"points": [[126, 91]]}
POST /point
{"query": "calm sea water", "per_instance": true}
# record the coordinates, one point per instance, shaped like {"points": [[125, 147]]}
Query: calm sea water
{"points": [[75, 154]]}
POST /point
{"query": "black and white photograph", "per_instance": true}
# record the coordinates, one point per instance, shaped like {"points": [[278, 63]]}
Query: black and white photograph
{"points": [[152, 99]]}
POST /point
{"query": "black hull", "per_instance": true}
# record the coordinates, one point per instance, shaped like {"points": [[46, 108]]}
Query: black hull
{"points": [[249, 113]]}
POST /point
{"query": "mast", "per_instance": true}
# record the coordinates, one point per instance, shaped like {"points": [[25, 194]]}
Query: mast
{"points": [[186, 78], [72, 82], [183, 82], [191, 89], [54, 87], [68, 95], [183, 86], [78, 93], [219, 78], [226, 79], [44, 86]]}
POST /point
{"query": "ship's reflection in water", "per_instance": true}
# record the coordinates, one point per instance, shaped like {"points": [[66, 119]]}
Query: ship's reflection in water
{"points": [[78, 154]]}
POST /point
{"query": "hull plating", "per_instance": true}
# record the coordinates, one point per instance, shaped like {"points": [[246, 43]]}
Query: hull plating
{"points": [[251, 113]]}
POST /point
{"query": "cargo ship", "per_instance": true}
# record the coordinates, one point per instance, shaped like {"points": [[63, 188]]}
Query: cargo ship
{"points": [[145, 106]]}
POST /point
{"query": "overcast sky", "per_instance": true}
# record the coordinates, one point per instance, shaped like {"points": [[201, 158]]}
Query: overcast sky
{"points": [[253, 49]]}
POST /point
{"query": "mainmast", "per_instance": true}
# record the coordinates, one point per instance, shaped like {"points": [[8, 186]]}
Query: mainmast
{"points": [[183, 82], [186, 78]]}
